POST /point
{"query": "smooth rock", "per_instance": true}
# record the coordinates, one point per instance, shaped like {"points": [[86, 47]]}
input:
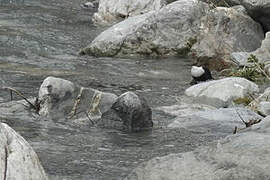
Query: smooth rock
{"points": [[18, 160], [242, 156], [167, 32], [131, 110], [220, 121], [223, 31], [221, 93], [117, 10]]}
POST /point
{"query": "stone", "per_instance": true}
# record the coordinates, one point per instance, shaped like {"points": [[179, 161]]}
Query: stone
{"points": [[63, 99], [262, 54], [218, 121], [259, 11], [262, 103], [17, 158], [221, 93], [264, 108], [169, 31], [223, 31], [131, 110], [241, 156], [117, 10]]}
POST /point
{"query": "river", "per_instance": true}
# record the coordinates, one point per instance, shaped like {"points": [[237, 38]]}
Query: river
{"points": [[42, 38]]}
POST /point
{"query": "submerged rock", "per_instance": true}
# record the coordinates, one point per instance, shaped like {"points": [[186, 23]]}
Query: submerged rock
{"points": [[117, 10], [131, 110], [168, 32], [221, 93], [17, 158], [62, 99], [223, 31]]}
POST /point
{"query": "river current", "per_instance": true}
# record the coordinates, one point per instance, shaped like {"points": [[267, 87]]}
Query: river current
{"points": [[41, 38]]}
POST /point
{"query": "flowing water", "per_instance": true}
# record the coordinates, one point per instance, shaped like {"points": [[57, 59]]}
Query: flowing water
{"points": [[41, 38]]}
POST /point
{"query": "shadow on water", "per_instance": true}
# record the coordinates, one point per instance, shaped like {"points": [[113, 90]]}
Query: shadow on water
{"points": [[42, 38]]}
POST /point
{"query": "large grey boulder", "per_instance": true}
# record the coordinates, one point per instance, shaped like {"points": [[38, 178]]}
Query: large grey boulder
{"points": [[262, 54], [219, 121], [63, 99], [131, 111], [17, 158], [242, 156], [259, 10], [223, 31], [167, 32], [221, 93], [117, 10]]}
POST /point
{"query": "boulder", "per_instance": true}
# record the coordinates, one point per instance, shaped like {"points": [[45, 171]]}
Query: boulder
{"points": [[262, 54], [131, 111], [241, 156], [221, 93], [219, 121], [17, 158], [223, 31], [168, 32], [61, 98], [117, 10], [259, 11]]}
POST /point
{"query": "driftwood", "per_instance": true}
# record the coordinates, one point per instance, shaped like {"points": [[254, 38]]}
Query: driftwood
{"points": [[35, 105]]}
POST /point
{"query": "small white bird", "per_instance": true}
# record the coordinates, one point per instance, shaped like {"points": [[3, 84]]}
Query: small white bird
{"points": [[200, 74]]}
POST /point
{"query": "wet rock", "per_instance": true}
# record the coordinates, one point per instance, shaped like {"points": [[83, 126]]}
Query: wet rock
{"points": [[223, 31], [117, 10], [130, 111], [241, 156], [168, 32], [18, 159], [63, 99], [219, 122], [221, 93], [262, 54], [184, 109]]}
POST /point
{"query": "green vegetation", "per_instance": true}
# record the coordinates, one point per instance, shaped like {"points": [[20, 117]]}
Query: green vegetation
{"points": [[254, 71], [245, 101]]}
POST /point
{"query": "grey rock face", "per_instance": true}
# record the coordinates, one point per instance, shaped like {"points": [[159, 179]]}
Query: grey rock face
{"points": [[131, 110], [117, 10], [241, 156], [262, 53], [259, 10], [219, 122], [17, 158], [223, 31], [167, 32], [221, 93], [62, 99]]}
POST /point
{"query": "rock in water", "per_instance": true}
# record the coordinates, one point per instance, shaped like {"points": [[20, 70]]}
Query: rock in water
{"points": [[133, 112]]}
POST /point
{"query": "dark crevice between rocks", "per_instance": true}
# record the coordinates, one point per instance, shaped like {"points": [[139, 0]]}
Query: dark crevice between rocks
{"points": [[6, 163]]}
